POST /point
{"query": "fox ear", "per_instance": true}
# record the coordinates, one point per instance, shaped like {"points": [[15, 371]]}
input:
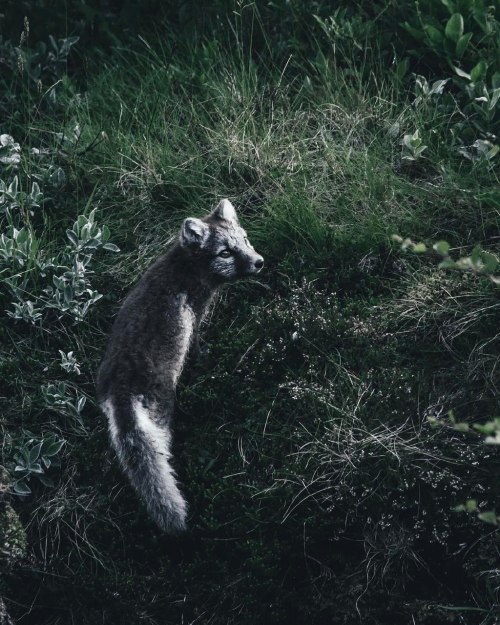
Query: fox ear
{"points": [[194, 232], [226, 211]]}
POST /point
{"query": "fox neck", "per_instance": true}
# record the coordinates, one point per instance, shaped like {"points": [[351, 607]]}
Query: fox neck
{"points": [[191, 277]]}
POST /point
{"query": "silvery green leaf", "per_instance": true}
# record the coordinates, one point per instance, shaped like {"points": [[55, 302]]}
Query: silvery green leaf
{"points": [[442, 247], [462, 44], [434, 34], [476, 254], [461, 73], [419, 248], [21, 488], [489, 261], [68, 293], [34, 453], [77, 132], [13, 186], [488, 517], [487, 149], [494, 98], [72, 237], [92, 243], [111, 247], [478, 71], [464, 263], [407, 142], [454, 27], [52, 448], [58, 282], [418, 151], [13, 158], [21, 236], [438, 86], [6, 140], [421, 85], [36, 468], [58, 177]]}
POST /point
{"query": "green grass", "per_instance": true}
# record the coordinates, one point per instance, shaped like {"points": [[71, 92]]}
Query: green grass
{"points": [[318, 490]]}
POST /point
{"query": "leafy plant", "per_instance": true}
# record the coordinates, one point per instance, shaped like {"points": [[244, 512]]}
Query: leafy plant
{"points": [[39, 281], [10, 151], [33, 459], [87, 236], [490, 429], [69, 363], [12, 199], [463, 36], [454, 30], [42, 62], [424, 91], [65, 399], [413, 146], [480, 262]]}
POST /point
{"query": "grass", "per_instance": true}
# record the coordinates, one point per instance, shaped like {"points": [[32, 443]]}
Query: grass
{"points": [[318, 490]]}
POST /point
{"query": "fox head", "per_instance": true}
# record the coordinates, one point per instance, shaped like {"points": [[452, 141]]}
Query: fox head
{"points": [[221, 244]]}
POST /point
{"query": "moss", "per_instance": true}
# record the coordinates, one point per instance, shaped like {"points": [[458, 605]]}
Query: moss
{"points": [[12, 536], [4, 617]]}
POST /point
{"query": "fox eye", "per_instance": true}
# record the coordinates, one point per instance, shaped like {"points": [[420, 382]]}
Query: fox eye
{"points": [[225, 253]]}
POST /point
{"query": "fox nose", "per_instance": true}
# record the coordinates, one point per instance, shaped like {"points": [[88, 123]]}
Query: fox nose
{"points": [[259, 263]]}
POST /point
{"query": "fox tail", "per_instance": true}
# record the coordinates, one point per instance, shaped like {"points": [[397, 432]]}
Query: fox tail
{"points": [[144, 454]]}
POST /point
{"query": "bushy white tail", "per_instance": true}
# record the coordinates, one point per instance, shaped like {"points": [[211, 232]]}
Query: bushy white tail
{"points": [[144, 453]]}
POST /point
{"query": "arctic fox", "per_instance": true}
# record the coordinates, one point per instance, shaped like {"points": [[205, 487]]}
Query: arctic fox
{"points": [[152, 335]]}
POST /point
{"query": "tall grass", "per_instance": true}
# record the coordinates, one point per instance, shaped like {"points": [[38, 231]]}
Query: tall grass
{"points": [[319, 491]]}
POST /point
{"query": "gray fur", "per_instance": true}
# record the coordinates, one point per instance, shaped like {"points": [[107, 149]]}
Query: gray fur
{"points": [[152, 335]]}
